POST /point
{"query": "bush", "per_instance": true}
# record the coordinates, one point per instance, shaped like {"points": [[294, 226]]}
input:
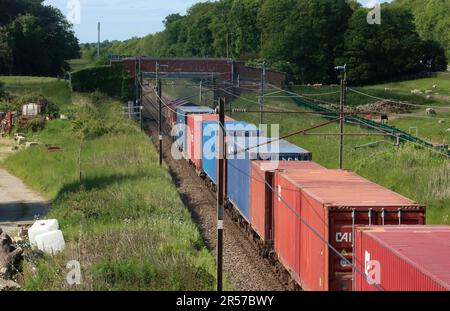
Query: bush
{"points": [[6, 106], [110, 80], [48, 108], [27, 124], [2, 90]]}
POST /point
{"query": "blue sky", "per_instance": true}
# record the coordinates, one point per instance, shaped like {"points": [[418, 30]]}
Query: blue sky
{"points": [[124, 19]]}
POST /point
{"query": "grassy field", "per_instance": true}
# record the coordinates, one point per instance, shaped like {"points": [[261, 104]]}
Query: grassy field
{"points": [[53, 89], [79, 64], [395, 90], [123, 220], [432, 128], [418, 174]]}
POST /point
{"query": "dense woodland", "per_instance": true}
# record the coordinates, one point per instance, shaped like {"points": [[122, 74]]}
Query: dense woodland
{"points": [[35, 39], [305, 38]]}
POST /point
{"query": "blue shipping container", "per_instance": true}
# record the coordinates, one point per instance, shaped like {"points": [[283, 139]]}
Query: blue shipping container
{"points": [[239, 156], [209, 142], [182, 114]]}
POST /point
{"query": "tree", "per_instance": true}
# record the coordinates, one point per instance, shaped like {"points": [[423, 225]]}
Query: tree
{"points": [[308, 34], [2, 90], [433, 56], [235, 28], [431, 19], [376, 52], [36, 39], [5, 52], [199, 38]]}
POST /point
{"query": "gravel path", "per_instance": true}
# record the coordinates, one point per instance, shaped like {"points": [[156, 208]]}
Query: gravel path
{"points": [[17, 201]]}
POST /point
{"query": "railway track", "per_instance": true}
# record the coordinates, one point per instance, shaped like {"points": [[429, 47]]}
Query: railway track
{"points": [[244, 268]]}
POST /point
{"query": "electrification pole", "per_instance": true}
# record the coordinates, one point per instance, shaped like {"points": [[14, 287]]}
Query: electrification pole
{"points": [[98, 41], [263, 85], [220, 193], [141, 93], [201, 92], [136, 84], [160, 123], [343, 69], [213, 83], [159, 94]]}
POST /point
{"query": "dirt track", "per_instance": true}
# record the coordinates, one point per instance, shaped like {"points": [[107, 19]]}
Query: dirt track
{"points": [[17, 201]]}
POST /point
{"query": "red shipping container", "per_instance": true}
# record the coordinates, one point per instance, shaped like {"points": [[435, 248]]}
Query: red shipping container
{"points": [[194, 139], [332, 203], [261, 204], [403, 258]]}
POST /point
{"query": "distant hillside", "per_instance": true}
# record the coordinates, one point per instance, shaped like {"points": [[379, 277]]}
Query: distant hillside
{"points": [[432, 19], [306, 38]]}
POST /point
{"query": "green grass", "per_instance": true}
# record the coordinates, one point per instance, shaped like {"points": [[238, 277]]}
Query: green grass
{"points": [[433, 129], [124, 220], [55, 90], [79, 64], [416, 173]]}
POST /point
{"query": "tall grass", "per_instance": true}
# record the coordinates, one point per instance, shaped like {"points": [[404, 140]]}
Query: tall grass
{"points": [[55, 90], [124, 220]]}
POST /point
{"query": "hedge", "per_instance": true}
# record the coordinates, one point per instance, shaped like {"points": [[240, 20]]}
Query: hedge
{"points": [[110, 80]]}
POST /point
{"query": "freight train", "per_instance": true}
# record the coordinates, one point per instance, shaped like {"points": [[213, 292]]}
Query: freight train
{"points": [[323, 229]]}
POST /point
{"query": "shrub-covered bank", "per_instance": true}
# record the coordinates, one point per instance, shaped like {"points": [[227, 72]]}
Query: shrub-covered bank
{"points": [[123, 220]]}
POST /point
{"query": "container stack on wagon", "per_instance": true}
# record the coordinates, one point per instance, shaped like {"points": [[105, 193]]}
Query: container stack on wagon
{"points": [[298, 209], [195, 128], [233, 129], [171, 110], [182, 114], [332, 203], [261, 193], [240, 155], [403, 258]]}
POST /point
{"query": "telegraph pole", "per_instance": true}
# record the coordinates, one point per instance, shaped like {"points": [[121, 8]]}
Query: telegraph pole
{"points": [[98, 41], [343, 69], [159, 93], [220, 193], [136, 83], [160, 123], [201, 92], [141, 93], [261, 101], [228, 48], [213, 89]]}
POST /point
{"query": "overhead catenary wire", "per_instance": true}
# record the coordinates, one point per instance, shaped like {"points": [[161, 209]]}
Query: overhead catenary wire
{"points": [[298, 216], [297, 95], [306, 223], [291, 135]]}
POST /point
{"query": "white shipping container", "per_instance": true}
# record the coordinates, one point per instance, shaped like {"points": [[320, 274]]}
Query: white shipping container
{"points": [[40, 227], [51, 242], [31, 109]]}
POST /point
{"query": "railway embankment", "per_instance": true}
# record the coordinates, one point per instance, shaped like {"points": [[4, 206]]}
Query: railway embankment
{"points": [[122, 217]]}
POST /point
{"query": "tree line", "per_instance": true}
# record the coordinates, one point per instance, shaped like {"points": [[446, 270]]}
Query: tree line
{"points": [[306, 38], [35, 39]]}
